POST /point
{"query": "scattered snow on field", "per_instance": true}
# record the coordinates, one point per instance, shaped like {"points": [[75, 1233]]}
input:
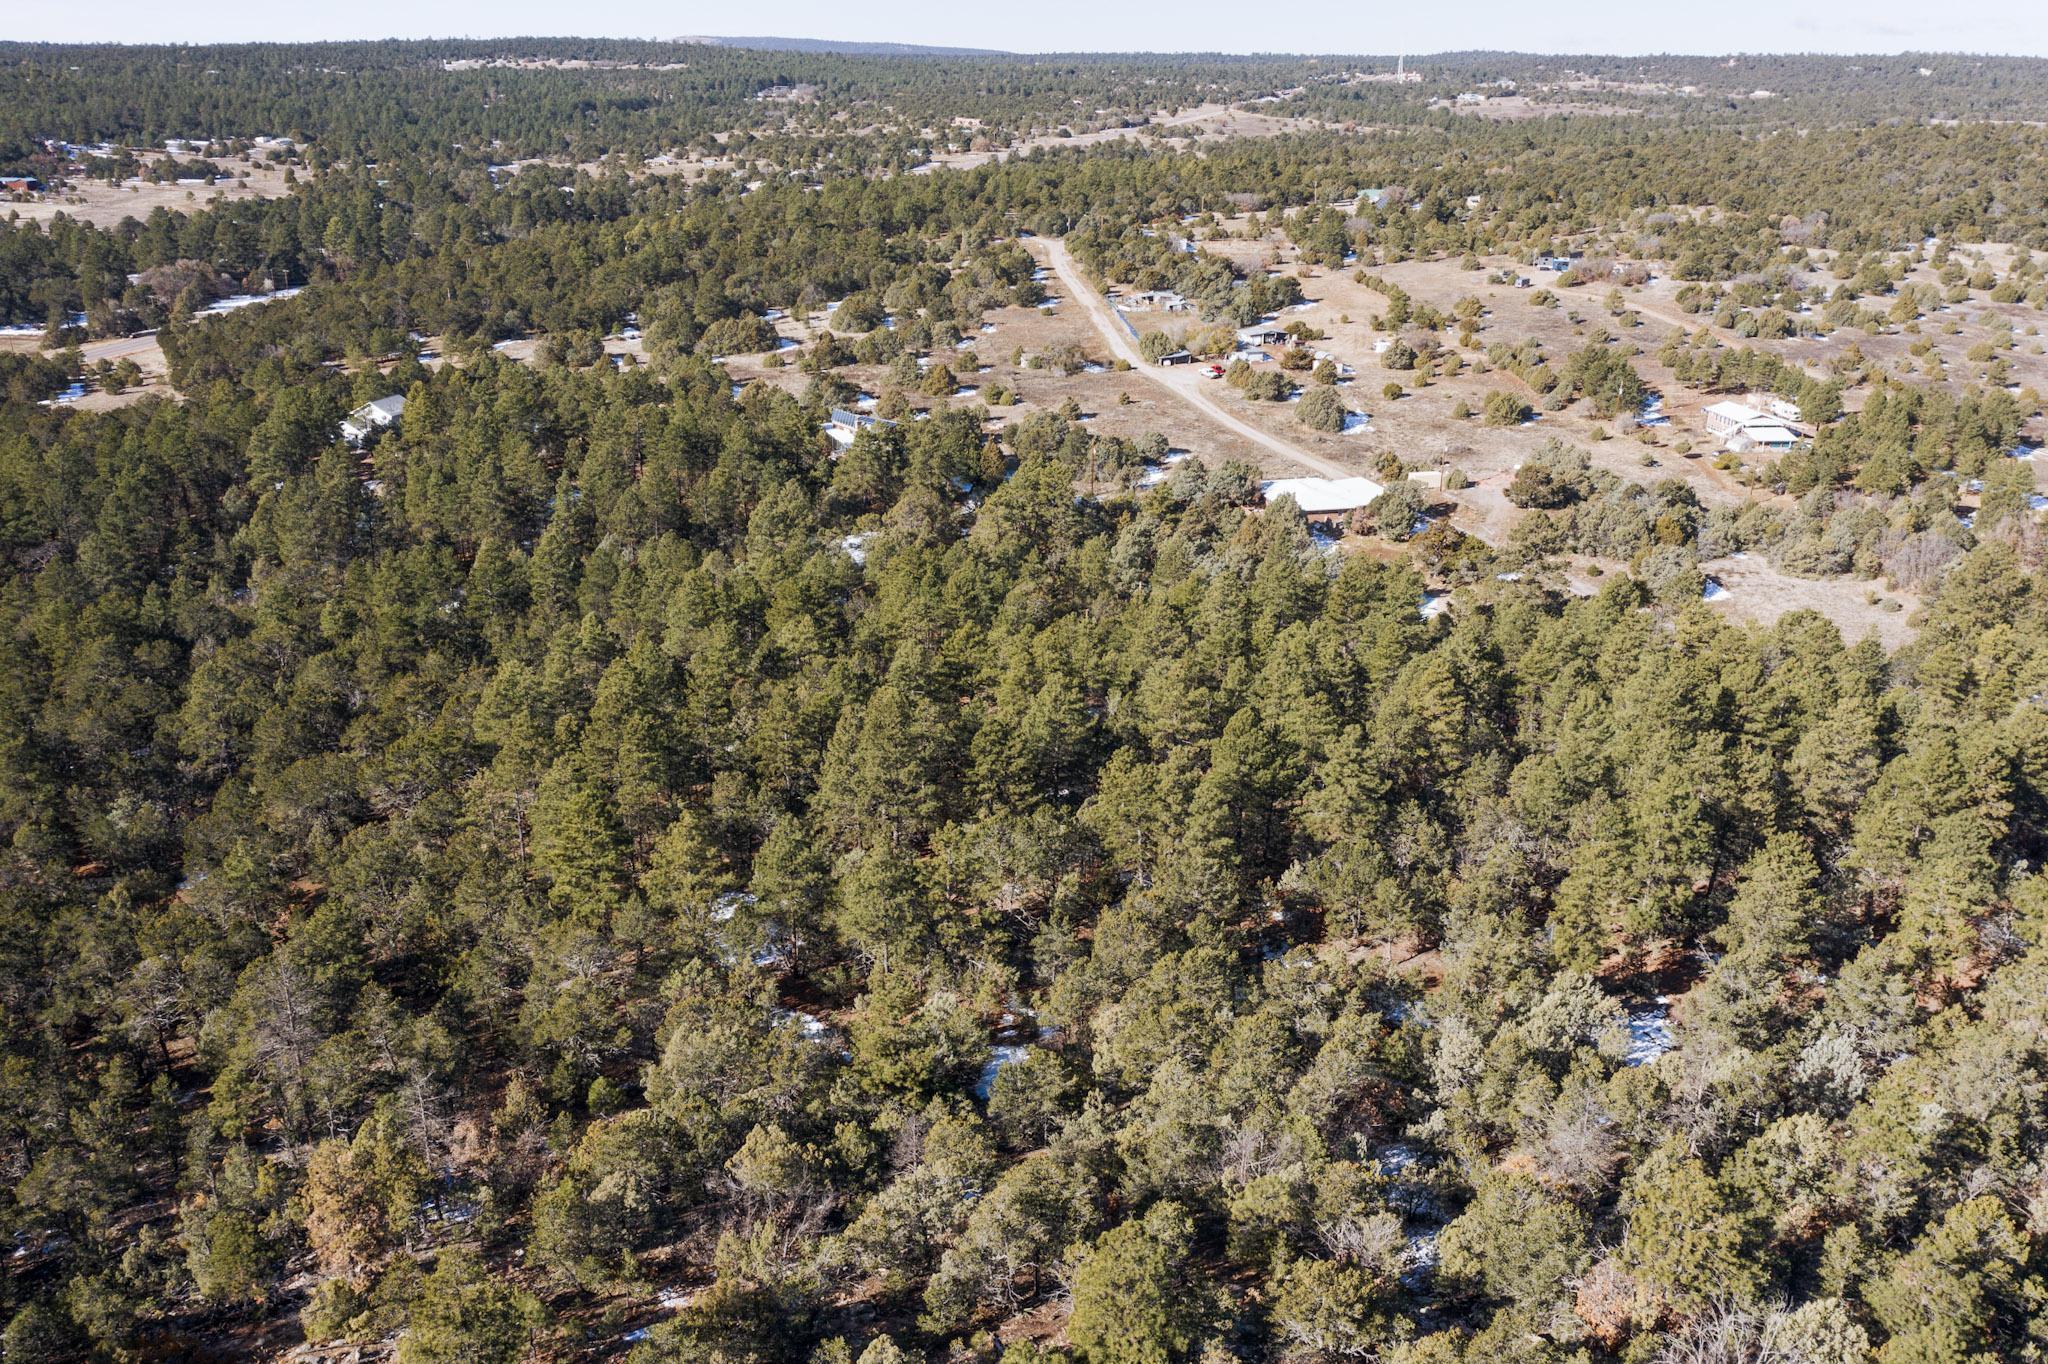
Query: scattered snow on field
{"points": [[856, 546], [71, 394], [1714, 591], [1356, 423], [1092, 368], [1154, 476]]}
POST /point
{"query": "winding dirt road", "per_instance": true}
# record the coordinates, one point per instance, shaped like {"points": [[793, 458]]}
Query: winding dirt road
{"points": [[1183, 381]]}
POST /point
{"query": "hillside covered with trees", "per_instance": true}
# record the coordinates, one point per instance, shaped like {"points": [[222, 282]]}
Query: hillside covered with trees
{"points": [[601, 870]]}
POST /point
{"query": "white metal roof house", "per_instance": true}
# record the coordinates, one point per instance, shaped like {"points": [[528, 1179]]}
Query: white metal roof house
{"points": [[372, 417], [1766, 434], [1323, 500], [1726, 418], [1742, 427]]}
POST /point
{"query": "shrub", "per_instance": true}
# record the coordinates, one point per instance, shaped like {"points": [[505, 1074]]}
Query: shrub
{"points": [[1323, 409], [1537, 486], [1268, 385], [1504, 408], [1397, 510]]}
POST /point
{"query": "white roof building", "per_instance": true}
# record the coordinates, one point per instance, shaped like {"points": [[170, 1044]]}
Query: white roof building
{"points": [[1323, 498], [372, 417], [1742, 427]]}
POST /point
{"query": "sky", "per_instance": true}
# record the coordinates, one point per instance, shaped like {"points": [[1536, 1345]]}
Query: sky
{"points": [[1387, 26]]}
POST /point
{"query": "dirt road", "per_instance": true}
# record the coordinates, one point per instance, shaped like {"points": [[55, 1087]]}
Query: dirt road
{"points": [[1184, 381], [141, 348]]}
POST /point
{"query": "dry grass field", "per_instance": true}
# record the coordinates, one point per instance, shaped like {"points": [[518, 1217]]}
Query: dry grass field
{"points": [[104, 205]]}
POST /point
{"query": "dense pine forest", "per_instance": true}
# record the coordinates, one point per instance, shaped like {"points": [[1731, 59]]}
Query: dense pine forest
{"points": [[600, 869]]}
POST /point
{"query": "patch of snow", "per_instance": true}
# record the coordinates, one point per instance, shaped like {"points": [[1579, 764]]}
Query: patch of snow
{"points": [[1396, 1157], [237, 301], [1003, 1054], [1356, 423], [1421, 1259], [729, 904], [856, 546], [1714, 591], [1434, 604], [1649, 1033]]}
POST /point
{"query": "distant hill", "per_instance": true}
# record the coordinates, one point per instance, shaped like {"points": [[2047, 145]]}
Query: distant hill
{"points": [[850, 49]]}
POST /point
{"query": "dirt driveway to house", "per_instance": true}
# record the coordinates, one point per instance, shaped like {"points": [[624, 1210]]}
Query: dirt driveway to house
{"points": [[1183, 381]]}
